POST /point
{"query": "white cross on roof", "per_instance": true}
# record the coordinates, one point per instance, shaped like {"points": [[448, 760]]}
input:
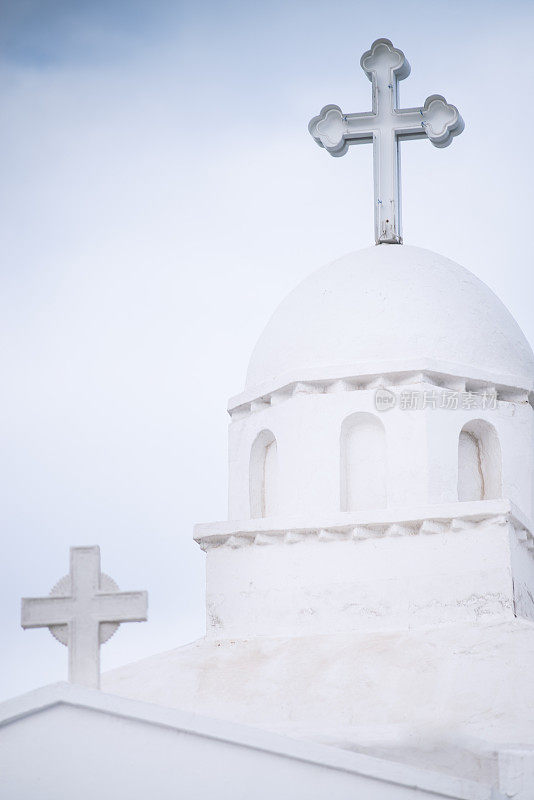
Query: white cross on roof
{"points": [[83, 611], [385, 126]]}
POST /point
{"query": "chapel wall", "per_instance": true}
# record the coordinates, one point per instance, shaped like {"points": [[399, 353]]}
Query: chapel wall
{"points": [[419, 460], [384, 582]]}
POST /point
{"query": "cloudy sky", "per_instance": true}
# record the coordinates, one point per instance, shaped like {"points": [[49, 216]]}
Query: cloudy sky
{"points": [[159, 196]]}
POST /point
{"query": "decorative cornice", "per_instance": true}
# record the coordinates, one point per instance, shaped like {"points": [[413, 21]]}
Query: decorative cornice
{"points": [[247, 403], [348, 527]]}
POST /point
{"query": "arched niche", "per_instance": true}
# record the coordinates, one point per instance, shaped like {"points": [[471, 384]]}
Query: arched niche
{"points": [[363, 463], [263, 475], [479, 462]]}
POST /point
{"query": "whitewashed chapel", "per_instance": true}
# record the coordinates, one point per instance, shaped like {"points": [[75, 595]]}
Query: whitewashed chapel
{"points": [[370, 600]]}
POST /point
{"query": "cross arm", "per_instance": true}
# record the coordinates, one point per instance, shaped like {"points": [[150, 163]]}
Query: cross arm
{"points": [[121, 606], [40, 612], [438, 120], [335, 131]]}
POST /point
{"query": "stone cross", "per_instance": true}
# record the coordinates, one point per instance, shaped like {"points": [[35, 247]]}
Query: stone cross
{"points": [[385, 126], [83, 611]]}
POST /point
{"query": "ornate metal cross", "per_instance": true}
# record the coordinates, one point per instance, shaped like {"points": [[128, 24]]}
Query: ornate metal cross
{"points": [[385, 126], [83, 611]]}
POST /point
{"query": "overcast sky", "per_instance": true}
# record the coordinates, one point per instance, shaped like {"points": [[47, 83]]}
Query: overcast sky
{"points": [[160, 194]]}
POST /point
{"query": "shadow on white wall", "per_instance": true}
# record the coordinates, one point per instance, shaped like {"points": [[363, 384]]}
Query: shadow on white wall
{"points": [[479, 462]]}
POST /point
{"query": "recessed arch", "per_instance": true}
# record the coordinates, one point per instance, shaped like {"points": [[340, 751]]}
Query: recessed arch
{"points": [[263, 475], [363, 462], [479, 462]]}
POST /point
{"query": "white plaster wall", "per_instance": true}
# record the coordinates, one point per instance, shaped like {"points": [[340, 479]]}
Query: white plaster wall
{"points": [[65, 752], [445, 697], [523, 576], [385, 583], [308, 430], [421, 451]]}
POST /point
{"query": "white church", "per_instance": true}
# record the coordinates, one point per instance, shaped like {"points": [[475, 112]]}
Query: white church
{"points": [[370, 599]]}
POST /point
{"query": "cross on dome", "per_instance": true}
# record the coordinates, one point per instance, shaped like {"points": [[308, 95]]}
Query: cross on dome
{"points": [[83, 611], [385, 126]]}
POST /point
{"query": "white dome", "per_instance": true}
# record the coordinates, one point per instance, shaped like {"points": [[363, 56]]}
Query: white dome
{"points": [[391, 308]]}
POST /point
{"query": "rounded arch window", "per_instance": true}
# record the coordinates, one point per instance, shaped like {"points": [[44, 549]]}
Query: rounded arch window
{"points": [[363, 463], [263, 475], [479, 462]]}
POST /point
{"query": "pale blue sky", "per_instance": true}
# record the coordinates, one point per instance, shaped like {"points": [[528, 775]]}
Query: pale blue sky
{"points": [[160, 194]]}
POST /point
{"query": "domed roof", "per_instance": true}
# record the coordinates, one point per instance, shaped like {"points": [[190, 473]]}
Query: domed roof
{"points": [[390, 308]]}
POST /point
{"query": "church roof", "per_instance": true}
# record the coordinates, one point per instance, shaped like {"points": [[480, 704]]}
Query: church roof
{"points": [[390, 309], [100, 741]]}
